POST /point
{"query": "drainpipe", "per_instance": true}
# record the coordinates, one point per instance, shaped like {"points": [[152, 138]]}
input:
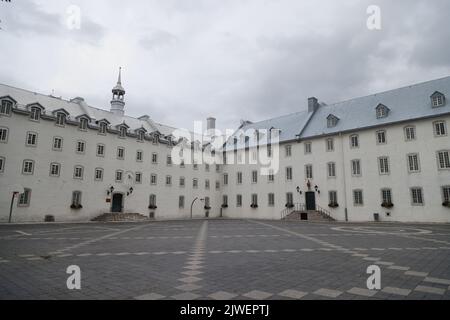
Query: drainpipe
{"points": [[345, 176]]}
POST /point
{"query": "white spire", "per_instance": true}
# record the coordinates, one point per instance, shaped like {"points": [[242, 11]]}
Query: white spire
{"points": [[118, 101]]}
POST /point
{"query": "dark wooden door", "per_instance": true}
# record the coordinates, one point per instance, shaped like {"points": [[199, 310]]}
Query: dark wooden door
{"points": [[310, 201], [117, 203]]}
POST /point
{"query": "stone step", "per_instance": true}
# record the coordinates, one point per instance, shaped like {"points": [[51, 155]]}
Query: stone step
{"points": [[120, 217], [308, 216]]}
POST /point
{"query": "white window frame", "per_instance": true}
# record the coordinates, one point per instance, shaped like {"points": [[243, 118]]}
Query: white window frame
{"points": [[271, 200], [288, 149], [358, 198], [34, 138], [35, 114], [332, 197], [168, 181], [154, 179], [309, 171], [354, 141], [443, 126], [289, 174], [2, 164], [52, 166], [445, 163], [329, 144], [78, 169], [54, 147], [24, 198], [410, 133], [154, 158], [120, 153], [118, 176], [381, 136], [415, 197], [239, 200], [254, 177], [308, 147], [83, 125], [103, 148], [384, 166], [80, 147], [25, 167], [5, 134], [61, 118], [6, 107], [331, 170], [136, 179], [96, 176], [411, 165], [445, 193]]}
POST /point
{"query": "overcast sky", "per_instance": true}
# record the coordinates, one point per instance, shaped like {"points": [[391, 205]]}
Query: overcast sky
{"points": [[185, 60]]}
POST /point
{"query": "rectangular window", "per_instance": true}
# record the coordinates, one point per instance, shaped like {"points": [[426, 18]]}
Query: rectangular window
{"points": [[98, 174], [81, 147], [289, 198], [122, 132], [217, 185], [5, 108], [381, 137], [154, 179], [383, 163], [102, 128], [239, 200], [2, 164], [168, 181], [182, 182], [358, 198], [55, 169], [57, 144], [119, 176], [225, 179], [309, 171], [254, 199], [271, 176], [3, 135], [413, 163], [31, 139], [308, 147], [152, 201], [195, 183], [446, 194], [195, 165], [225, 200], [356, 168], [271, 198], [207, 184], [386, 196], [83, 124], [100, 150], [333, 199], [330, 145], [254, 176], [289, 174], [417, 196], [139, 156], [181, 202], [28, 167], [60, 119], [120, 153], [207, 167], [331, 170], [24, 198], [410, 133], [138, 177], [78, 172], [154, 158], [443, 160], [169, 161], [288, 151], [239, 178], [440, 129], [76, 198], [354, 141], [35, 114]]}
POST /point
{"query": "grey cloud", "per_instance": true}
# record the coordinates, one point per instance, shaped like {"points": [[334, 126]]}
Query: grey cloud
{"points": [[155, 39]]}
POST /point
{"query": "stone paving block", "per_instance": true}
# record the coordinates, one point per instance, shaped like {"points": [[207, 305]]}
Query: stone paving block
{"points": [[257, 295], [416, 274], [362, 292], [150, 296], [293, 294], [397, 291], [438, 281], [432, 290], [328, 293], [222, 296]]}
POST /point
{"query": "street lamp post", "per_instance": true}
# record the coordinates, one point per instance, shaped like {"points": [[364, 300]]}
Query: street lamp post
{"points": [[12, 204]]}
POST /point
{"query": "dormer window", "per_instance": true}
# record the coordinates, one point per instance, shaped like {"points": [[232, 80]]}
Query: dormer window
{"points": [[332, 121], [437, 100], [60, 119], [141, 136], [6, 107], [155, 139], [382, 111], [83, 124], [35, 114], [102, 128], [122, 132]]}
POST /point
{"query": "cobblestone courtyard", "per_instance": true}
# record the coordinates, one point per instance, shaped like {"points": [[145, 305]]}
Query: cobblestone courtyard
{"points": [[225, 259]]}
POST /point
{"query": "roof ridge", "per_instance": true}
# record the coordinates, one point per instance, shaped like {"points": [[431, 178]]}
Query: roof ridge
{"points": [[279, 117]]}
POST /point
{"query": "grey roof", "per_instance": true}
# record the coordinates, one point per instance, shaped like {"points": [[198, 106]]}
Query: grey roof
{"points": [[77, 107], [289, 125], [408, 103]]}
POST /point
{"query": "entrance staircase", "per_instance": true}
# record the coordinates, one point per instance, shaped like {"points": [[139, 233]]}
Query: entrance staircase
{"points": [[120, 217], [298, 212]]}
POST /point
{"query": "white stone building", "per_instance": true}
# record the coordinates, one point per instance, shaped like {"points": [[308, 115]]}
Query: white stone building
{"points": [[384, 154]]}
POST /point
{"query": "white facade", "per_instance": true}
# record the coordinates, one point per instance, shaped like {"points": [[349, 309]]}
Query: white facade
{"points": [[405, 131]]}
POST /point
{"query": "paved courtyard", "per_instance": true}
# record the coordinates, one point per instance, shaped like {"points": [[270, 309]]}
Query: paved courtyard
{"points": [[224, 259]]}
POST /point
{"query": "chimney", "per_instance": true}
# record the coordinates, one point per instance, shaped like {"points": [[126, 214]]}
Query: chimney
{"points": [[313, 104], [211, 124]]}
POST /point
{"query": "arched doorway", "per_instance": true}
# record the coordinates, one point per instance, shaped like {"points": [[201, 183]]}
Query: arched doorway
{"points": [[117, 203]]}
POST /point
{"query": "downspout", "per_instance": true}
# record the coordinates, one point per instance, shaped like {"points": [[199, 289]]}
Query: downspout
{"points": [[345, 177]]}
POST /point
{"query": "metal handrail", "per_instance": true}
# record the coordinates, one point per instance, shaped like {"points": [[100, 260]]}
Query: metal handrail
{"points": [[297, 207], [324, 212]]}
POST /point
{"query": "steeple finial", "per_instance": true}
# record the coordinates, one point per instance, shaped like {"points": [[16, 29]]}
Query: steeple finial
{"points": [[119, 81]]}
